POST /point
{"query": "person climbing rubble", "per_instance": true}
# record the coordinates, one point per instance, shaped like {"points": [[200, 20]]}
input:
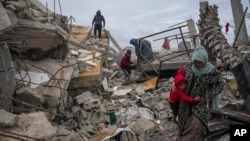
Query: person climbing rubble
{"points": [[97, 23], [126, 65]]}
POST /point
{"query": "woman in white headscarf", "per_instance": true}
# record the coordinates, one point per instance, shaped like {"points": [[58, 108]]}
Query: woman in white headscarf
{"points": [[192, 120]]}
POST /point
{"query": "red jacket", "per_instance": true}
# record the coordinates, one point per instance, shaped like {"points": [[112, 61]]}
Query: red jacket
{"points": [[125, 62], [179, 94]]}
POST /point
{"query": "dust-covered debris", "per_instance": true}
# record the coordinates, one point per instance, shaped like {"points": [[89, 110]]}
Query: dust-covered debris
{"points": [[67, 85]]}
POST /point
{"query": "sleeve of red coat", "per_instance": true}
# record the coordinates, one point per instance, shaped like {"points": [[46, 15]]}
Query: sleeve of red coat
{"points": [[184, 96]]}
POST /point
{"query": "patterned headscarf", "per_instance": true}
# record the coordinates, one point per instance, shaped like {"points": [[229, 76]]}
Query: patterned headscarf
{"points": [[200, 54]]}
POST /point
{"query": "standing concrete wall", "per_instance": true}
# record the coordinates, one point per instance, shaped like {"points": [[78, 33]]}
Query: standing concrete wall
{"points": [[238, 12], [192, 32]]}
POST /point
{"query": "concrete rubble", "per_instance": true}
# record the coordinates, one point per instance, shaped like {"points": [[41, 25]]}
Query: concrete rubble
{"points": [[68, 86]]}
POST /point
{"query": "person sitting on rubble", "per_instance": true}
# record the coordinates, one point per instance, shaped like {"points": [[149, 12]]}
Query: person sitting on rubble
{"points": [[177, 93], [97, 23], [126, 65]]}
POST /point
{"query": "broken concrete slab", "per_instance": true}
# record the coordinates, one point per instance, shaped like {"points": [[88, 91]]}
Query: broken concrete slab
{"points": [[85, 96], [93, 75], [34, 79], [30, 96], [141, 126], [123, 134], [59, 73], [121, 94], [140, 90], [7, 119], [7, 77], [52, 102], [92, 103], [5, 22], [34, 125]]}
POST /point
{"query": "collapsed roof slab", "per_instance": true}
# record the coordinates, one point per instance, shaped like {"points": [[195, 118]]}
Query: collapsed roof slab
{"points": [[5, 21], [90, 78], [42, 38], [26, 30], [171, 60], [35, 84]]}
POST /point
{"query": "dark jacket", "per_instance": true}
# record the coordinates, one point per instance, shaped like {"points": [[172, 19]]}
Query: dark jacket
{"points": [[98, 19]]}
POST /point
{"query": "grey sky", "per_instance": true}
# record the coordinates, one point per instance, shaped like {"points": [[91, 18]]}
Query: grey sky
{"points": [[126, 19]]}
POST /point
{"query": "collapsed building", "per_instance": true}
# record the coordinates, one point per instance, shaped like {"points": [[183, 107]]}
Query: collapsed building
{"points": [[60, 83]]}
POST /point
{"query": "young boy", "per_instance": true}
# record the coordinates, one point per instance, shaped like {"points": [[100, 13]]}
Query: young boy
{"points": [[126, 65], [177, 93]]}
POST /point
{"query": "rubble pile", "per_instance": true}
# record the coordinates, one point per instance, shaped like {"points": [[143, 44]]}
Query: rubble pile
{"points": [[60, 83]]}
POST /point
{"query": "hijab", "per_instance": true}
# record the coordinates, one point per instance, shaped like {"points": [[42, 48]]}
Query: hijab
{"points": [[133, 41], [201, 54]]}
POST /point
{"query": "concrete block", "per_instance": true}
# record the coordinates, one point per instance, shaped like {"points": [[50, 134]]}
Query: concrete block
{"points": [[93, 103], [75, 109], [111, 106], [165, 95], [35, 125], [81, 115], [126, 102], [163, 115], [140, 91], [89, 128], [97, 118], [52, 102], [7, 119], [85, 96], [141, 126], [160, 106], [30, 96], [121, 94], [103, 108]]}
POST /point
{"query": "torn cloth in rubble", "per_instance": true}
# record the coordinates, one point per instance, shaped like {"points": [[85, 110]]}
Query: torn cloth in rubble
{"points": [[166, 44]]}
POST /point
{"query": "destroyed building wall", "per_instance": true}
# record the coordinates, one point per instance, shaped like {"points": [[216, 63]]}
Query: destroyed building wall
{"points": [[100, 107]]}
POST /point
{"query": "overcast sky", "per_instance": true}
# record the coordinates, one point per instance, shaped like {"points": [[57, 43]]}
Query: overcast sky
{"points": [[126, 19]]}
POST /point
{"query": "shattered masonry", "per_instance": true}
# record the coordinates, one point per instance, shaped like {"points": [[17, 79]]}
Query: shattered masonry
{"points": [[60, 83]]}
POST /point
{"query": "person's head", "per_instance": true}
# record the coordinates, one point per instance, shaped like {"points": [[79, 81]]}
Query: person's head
{"points": [[133, 41], [128, 52], [98, 12], [200, 57], [200, 65], [182, 84]]}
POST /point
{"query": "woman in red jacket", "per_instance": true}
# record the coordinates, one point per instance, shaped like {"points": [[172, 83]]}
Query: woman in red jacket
{"points": [[177, 93], [126, 64]]}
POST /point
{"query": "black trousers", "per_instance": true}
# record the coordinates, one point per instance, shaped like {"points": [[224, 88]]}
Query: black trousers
{"points": [[98, 27], [175, 107]]}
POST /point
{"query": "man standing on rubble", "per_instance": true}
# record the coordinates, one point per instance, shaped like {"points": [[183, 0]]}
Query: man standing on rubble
{"points": [[97, 23]]}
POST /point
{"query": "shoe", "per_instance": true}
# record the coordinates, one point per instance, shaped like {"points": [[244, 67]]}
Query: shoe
{"points": [[174, 120]]}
